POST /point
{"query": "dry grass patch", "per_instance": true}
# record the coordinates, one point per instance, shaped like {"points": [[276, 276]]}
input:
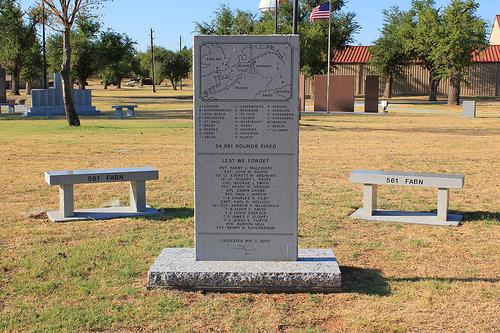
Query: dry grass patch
{"points": [[90, 276]]}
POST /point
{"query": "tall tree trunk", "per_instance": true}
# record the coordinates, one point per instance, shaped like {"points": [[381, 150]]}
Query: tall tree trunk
{"points": [[174, 84], [141, 82], [81, 83], [14, 89], [454, 93], [119, 84], [105, 84], [69, 107], [433, 88], [388, 86], [29, 87]]}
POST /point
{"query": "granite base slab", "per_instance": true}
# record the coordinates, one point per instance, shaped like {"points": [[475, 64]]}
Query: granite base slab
{"points": [[425, 218], [100, 214], [55, 111], [316, 270]]}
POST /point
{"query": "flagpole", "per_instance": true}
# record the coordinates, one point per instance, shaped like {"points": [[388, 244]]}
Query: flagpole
{"points": [[329, 59]]}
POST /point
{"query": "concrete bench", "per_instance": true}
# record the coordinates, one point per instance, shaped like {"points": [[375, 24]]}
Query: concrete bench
{"points": [[10, 105], [443, 182], [67, 179], [119, 110], [384, 105]]}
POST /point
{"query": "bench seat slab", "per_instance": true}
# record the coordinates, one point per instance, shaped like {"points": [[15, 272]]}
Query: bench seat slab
{"points": [[100, 214], [407, 217], [101, 176]]}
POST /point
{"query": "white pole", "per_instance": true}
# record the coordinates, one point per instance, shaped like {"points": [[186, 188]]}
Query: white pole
{"points": [[329, 60]]}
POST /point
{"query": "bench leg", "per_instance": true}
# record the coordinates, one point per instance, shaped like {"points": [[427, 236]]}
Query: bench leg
{"points": [[138, 196], [66, 200], [130, 112], [443, 200], [119, 113], [369, 199]]}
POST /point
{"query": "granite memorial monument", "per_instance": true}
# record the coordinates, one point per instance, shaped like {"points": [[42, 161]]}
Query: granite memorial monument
{"points": [[49, 102], [246, 113]]}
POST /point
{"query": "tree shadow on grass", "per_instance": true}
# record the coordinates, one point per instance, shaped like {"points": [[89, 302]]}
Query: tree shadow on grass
{"points": [[364, 281], [167, 214], [481, 216]]}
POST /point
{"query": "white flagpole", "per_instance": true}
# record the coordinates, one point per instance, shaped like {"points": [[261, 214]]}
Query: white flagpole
{"points": [[329, 58]]}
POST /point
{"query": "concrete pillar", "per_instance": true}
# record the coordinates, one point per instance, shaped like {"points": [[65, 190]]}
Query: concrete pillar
{"points": [[302, 92], [138, 196], [119, 113], [443, 200], [66, 200], [371, 93], [369, 199], [3, 86]]}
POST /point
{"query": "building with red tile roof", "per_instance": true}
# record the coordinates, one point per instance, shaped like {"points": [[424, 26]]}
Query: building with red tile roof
{"points": [[362, 55]]}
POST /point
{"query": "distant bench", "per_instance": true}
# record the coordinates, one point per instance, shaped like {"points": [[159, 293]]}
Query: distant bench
{"points": [[67, 179], [384, 105], [443, 182], [119, 110], [12, 107]]}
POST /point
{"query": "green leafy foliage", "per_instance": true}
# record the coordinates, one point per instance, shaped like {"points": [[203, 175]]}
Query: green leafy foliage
{"points": [[117, 54], [85, 60], [463, 34], [17, 39], [313, 36], [175, 66]]}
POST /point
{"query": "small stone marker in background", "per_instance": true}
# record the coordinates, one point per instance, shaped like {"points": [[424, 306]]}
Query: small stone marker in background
{"points": [[469, 109], [246, 110]]}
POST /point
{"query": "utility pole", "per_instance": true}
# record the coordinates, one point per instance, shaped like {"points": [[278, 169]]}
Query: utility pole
{"points": [[295, 17], [276, 11], [180, 49], [44, 49], [153, 61]]}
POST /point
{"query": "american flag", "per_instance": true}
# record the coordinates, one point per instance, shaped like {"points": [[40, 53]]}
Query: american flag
{"points": [[321, 12]]}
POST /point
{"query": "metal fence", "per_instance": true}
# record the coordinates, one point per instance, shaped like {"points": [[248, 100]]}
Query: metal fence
{"points": [[482, 79]]}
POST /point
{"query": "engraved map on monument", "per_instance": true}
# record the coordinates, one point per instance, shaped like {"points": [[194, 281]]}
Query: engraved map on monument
{"points": [[246, 71]]}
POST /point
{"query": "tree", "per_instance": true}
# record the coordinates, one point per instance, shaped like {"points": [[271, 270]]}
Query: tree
{"points": [[85, 58], [313, 36], [141, 66], [16, 40], [63, 14], [86, 49], [228, 23], [389, 54], [33, 65], [117, 54], [463, 34], [421, 36], [175, 66]]}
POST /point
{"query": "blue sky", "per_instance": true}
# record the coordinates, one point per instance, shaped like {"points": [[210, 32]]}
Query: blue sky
{"points": [[172, 18]]}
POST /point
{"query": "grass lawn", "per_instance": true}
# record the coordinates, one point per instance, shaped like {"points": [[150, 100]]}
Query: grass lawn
{"points": [[91, 276]]}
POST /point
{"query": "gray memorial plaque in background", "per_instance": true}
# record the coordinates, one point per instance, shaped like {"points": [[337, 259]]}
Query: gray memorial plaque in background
{"points": [[469, 109], [246, 147]]}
